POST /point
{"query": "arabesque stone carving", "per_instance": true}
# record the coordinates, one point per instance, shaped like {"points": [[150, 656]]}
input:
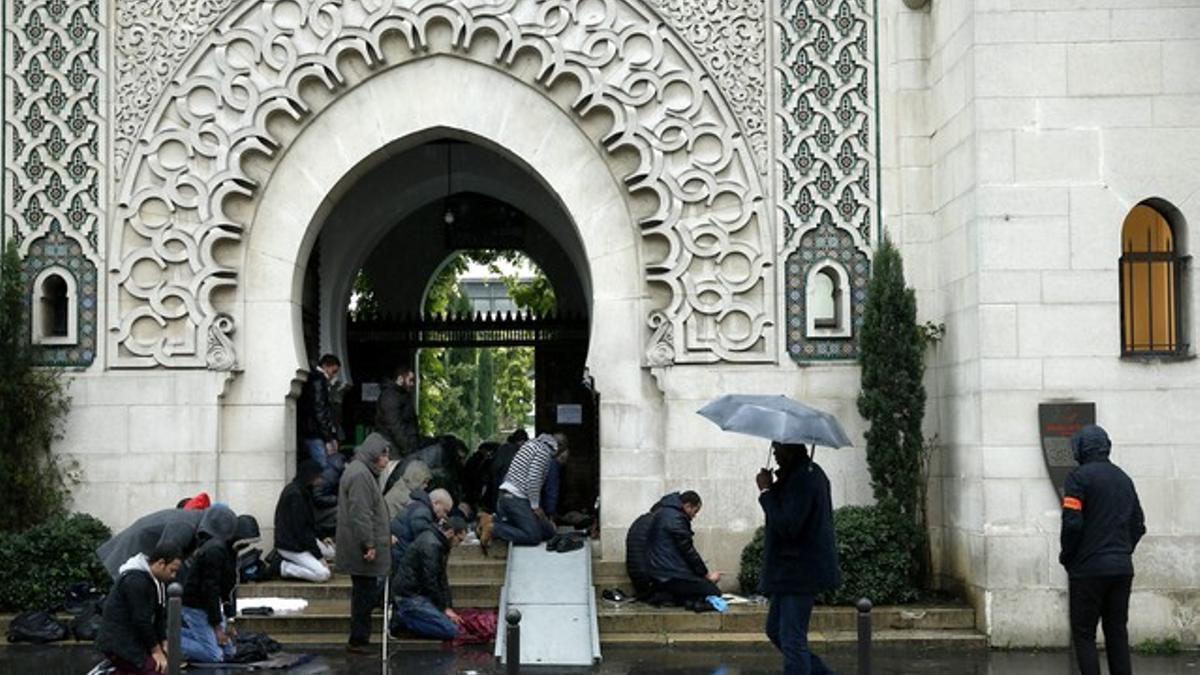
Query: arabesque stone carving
{"points": [[176, 264]]}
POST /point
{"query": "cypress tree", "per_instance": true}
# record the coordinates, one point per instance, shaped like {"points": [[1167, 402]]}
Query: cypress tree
{"points": [[893, 392]]}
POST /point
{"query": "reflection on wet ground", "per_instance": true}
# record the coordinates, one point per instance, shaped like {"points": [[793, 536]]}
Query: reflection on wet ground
{"points": [[690, 660]]}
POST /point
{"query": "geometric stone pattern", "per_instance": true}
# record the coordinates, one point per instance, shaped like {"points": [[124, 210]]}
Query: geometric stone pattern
{"points": [[151, 40], [54, 126], [729, 37], [175, 271], [56, 249], [826, 156]]}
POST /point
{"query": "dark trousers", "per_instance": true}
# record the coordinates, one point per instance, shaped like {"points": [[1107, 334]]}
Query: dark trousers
{"points": [[364, 596], [1104, 600], [517, 524], [787, 628], [683, 591]]}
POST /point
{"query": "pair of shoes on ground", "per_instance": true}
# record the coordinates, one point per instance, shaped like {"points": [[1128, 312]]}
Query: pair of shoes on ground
{"points": [[614, 595], [564, 543]]}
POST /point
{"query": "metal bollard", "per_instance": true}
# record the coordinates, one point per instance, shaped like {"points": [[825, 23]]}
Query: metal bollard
{"points": [[512, 644], [864, 636], [174, 626]]}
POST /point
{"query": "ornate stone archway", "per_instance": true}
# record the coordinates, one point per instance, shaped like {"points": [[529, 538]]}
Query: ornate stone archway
{"points": [[192, 183]]}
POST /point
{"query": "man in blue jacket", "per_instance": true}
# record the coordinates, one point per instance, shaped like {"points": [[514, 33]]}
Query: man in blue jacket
{"points": [[1102, 522], [800, 552]]}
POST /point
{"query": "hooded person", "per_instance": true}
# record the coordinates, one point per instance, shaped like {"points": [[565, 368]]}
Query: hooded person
{"points": [[133, 630], [1102, 523], [210, 579], [168, 527], [414, 475], [363, 538], [302, 552]]}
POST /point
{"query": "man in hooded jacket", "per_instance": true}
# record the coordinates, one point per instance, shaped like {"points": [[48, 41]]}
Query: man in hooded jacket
{"points": [[363, 537], [210, 575], [1102, 522], [296, 540], [133, 630]]}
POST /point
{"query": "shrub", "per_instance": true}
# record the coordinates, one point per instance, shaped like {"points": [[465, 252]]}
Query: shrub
{"points": [[875, 553], [38, 564]]}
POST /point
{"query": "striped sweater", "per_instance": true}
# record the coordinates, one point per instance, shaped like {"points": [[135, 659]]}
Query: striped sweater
{"points": [[529, 467]]}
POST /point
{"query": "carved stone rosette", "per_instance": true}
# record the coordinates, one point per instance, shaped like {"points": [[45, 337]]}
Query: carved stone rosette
{"points": [[172, 271], [826, 157]]}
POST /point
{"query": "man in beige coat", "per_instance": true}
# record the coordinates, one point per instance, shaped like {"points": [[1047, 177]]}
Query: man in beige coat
{"points": [[363, 538]]}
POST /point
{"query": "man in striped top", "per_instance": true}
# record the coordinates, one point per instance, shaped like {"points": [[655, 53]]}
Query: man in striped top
{"points": [[520, 519]]}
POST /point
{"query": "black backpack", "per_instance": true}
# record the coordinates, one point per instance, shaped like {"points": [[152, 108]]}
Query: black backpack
{"points": [[37, 627]]}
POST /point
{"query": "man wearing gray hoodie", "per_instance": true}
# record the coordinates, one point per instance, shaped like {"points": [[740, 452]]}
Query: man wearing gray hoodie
{"points": [[363, 537]]}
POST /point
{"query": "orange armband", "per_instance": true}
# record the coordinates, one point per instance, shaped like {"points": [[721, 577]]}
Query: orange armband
{"points": [[1072, 503]]}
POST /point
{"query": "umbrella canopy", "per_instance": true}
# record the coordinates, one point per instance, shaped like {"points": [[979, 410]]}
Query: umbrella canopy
{"points": [[777, 418]]}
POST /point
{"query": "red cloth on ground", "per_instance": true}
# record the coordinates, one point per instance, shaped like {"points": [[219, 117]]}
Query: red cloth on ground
{"points": [[198, 503], [478, 626]]}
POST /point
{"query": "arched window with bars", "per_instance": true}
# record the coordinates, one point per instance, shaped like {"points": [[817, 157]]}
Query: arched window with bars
{"points": [[1151, 281], [54, 308]]}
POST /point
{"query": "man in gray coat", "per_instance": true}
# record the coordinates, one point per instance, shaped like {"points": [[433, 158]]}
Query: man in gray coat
{"points": [[363, 537]]}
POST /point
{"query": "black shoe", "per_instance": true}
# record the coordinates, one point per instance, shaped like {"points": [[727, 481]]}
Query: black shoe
{"points": [[274, 565], [360, 649], [568, 544]]}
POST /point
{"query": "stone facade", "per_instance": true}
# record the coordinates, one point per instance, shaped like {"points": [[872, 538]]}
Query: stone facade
{"points": [[708, 160]]}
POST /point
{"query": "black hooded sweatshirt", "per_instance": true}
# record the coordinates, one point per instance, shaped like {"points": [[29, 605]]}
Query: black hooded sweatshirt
{"points": [[295, 516], [1102, 519]]}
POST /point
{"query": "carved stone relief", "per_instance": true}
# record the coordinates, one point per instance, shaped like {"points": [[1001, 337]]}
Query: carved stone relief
{"points": [[168, 286], [826, 156], [54, 129], [730, 38]]}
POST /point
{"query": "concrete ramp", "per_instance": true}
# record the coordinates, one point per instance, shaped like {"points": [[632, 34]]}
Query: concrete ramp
{"points": [[554, 593]]}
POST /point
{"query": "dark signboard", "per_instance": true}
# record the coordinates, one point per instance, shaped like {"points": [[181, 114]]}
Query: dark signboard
{"points": [[1057, 422]]}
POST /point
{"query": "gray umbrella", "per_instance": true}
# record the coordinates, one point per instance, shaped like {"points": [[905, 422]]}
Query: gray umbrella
{"points": [[777, 418]]}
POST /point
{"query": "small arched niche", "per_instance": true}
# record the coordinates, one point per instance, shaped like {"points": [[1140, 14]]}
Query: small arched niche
{"points": [[827, 300], [55, 315]]}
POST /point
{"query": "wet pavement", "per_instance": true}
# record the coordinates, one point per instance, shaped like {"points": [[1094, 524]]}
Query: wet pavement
{"points": [[691, 660]]}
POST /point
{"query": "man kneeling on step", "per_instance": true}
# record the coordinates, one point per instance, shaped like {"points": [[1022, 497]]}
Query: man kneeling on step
{"points": [[421, 587], [677, 572]]}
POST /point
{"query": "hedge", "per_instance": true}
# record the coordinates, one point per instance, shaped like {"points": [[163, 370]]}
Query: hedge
{"points": [[38, 564], [875, 553]]}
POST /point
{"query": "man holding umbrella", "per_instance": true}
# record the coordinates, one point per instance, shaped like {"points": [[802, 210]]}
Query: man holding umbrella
{"points": [[800, 553]]}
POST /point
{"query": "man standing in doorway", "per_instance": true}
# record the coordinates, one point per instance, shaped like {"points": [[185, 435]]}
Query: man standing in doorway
{"points": [[318, 420], [520, 519], [800, 552], [1102, 522], [396, 411], [363, 537]]}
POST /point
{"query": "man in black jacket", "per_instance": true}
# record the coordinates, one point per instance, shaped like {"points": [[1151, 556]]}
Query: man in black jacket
{"points": [[421, 586], [1102, 522], [211, 576], [676, 570], [396, 412], [318, 420], [799, 554], [635, 551], [296, 538], [133, 627]]}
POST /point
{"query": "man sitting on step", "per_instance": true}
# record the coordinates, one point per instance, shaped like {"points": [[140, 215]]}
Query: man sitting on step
{"points": [[676, 570], [520, 518], [420, 586]]}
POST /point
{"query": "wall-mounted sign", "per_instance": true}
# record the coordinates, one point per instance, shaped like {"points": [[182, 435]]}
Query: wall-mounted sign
{"points": [[1057, 423], [570, 413]]}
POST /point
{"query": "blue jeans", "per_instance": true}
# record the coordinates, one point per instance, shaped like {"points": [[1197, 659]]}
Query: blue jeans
{"points": [[198, 641], [417, 615], [787, 627], [517, 524], [316, 451]]}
